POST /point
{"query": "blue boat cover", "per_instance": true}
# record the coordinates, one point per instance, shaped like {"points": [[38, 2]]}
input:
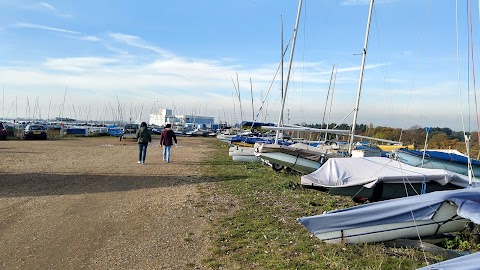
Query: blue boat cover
{"points": [[467, 262], [419, 207], [451, 157], [253, 140], [256, 124]]}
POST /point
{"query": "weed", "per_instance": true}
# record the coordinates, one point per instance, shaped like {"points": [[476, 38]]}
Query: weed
{"points": [[261, 231]]}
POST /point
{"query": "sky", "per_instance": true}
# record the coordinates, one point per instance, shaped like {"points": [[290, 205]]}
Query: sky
{"points": [[97, 60]]}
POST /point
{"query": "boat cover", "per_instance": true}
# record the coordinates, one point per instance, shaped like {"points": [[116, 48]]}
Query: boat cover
{"points": [[368, 171], [467, 262], [405, 209], [450, 157], [253, 140]]}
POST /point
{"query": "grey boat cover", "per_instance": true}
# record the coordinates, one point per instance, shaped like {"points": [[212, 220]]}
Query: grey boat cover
{"points": [[467, 262], [368, 171], [418, 207]]}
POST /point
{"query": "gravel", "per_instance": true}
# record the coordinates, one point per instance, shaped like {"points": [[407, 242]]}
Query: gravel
{"points": [[85, 203]]}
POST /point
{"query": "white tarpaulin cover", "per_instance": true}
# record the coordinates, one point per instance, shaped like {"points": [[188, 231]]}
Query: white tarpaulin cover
{"points": [[419, 207], [367, 171], [467, 262]]}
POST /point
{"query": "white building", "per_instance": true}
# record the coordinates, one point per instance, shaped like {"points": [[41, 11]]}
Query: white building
{"points": [[183, 120], [163, 117]]}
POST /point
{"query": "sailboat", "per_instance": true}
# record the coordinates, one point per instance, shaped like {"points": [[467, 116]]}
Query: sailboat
{"points": [[380, 178], [466, 262], [308, 160], [414, 216], [455, 162]]}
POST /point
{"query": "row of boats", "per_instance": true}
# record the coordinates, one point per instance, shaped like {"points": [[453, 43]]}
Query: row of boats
{"points": [[412, 193]]}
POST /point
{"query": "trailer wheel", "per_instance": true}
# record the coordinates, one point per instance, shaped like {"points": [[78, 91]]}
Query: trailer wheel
{"points": [[277, 167]]}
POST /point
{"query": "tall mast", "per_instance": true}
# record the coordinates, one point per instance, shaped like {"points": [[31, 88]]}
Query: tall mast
{"points": [[251, 93], [284, 96], [326, 102], [331, 101], [282, 56], [359, 89]]}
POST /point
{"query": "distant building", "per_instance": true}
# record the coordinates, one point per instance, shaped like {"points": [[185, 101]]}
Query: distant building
{"points": [[163, 117], [183, 120]]}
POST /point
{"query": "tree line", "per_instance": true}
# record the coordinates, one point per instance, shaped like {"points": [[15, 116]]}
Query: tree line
{"points": [[438, 138]]}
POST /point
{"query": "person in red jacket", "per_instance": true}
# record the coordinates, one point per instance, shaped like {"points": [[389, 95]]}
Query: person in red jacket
{"points": [[167, 139]]}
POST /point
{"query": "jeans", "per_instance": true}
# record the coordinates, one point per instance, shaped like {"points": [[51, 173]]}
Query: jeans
{"points": [[166, 152], [142, 151]]}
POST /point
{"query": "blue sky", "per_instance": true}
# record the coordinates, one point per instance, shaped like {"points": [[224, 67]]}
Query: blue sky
{"points": [[147, 55]]}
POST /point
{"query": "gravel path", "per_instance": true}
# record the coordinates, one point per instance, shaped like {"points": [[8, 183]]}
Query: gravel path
{"points": [[86, 203]]}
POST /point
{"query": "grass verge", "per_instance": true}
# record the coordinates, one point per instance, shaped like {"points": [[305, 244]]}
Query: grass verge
{"points": [[258, 227]]}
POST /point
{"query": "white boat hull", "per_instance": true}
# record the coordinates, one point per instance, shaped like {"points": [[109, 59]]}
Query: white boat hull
{"points": [[243, 154], [225, 137], [296, 163]]}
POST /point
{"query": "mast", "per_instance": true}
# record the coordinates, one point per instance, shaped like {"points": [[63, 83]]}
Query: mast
{"points": [[331, 101], [239, 98], [282, 56], [284, 94], [326, 102], [360, 80], [251, 93]]}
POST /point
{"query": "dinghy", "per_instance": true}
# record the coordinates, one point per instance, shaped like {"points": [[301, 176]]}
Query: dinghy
{"points": [[379, 178], [299, 157], [466, 262], [409, 217], [438, 160]]}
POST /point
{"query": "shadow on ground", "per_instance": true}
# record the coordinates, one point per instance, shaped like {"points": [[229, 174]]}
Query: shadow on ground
{"points": [[38, 184]]}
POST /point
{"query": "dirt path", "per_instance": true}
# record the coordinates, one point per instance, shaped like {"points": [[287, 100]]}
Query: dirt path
{"points": [[86, 203]]}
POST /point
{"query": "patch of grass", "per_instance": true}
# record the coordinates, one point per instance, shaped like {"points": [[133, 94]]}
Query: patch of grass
{"points": [[262, 231]]}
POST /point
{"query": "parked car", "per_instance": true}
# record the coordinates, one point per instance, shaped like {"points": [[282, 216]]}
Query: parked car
{"points": [[130, 131], [156, 130], [3, 131], [35, 131]]}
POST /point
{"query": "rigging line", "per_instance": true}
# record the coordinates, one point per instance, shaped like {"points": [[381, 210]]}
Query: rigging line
{"points": [[338, 123], [297, 66], [413, 216], [458, 70], [422, 44], [388, 89], [468, 78], [271, 84], [303, 63], [328, 95], [467, 138], [473, 68]]}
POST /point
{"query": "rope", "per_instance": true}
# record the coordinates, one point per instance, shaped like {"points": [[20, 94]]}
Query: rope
{"points": [[386, 78], [416, 70]]}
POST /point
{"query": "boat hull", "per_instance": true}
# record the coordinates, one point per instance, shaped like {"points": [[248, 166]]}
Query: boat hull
{"points": [[445, 220], [296, 163], [388, 191], [243, 154], [429, 163]]}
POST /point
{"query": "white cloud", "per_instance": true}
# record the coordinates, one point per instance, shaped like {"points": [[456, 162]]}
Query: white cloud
{"points": [[355, 2], [140, 43], [43, 27], [73, 34], [78, 64], [47, 6], [86, 38]]}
